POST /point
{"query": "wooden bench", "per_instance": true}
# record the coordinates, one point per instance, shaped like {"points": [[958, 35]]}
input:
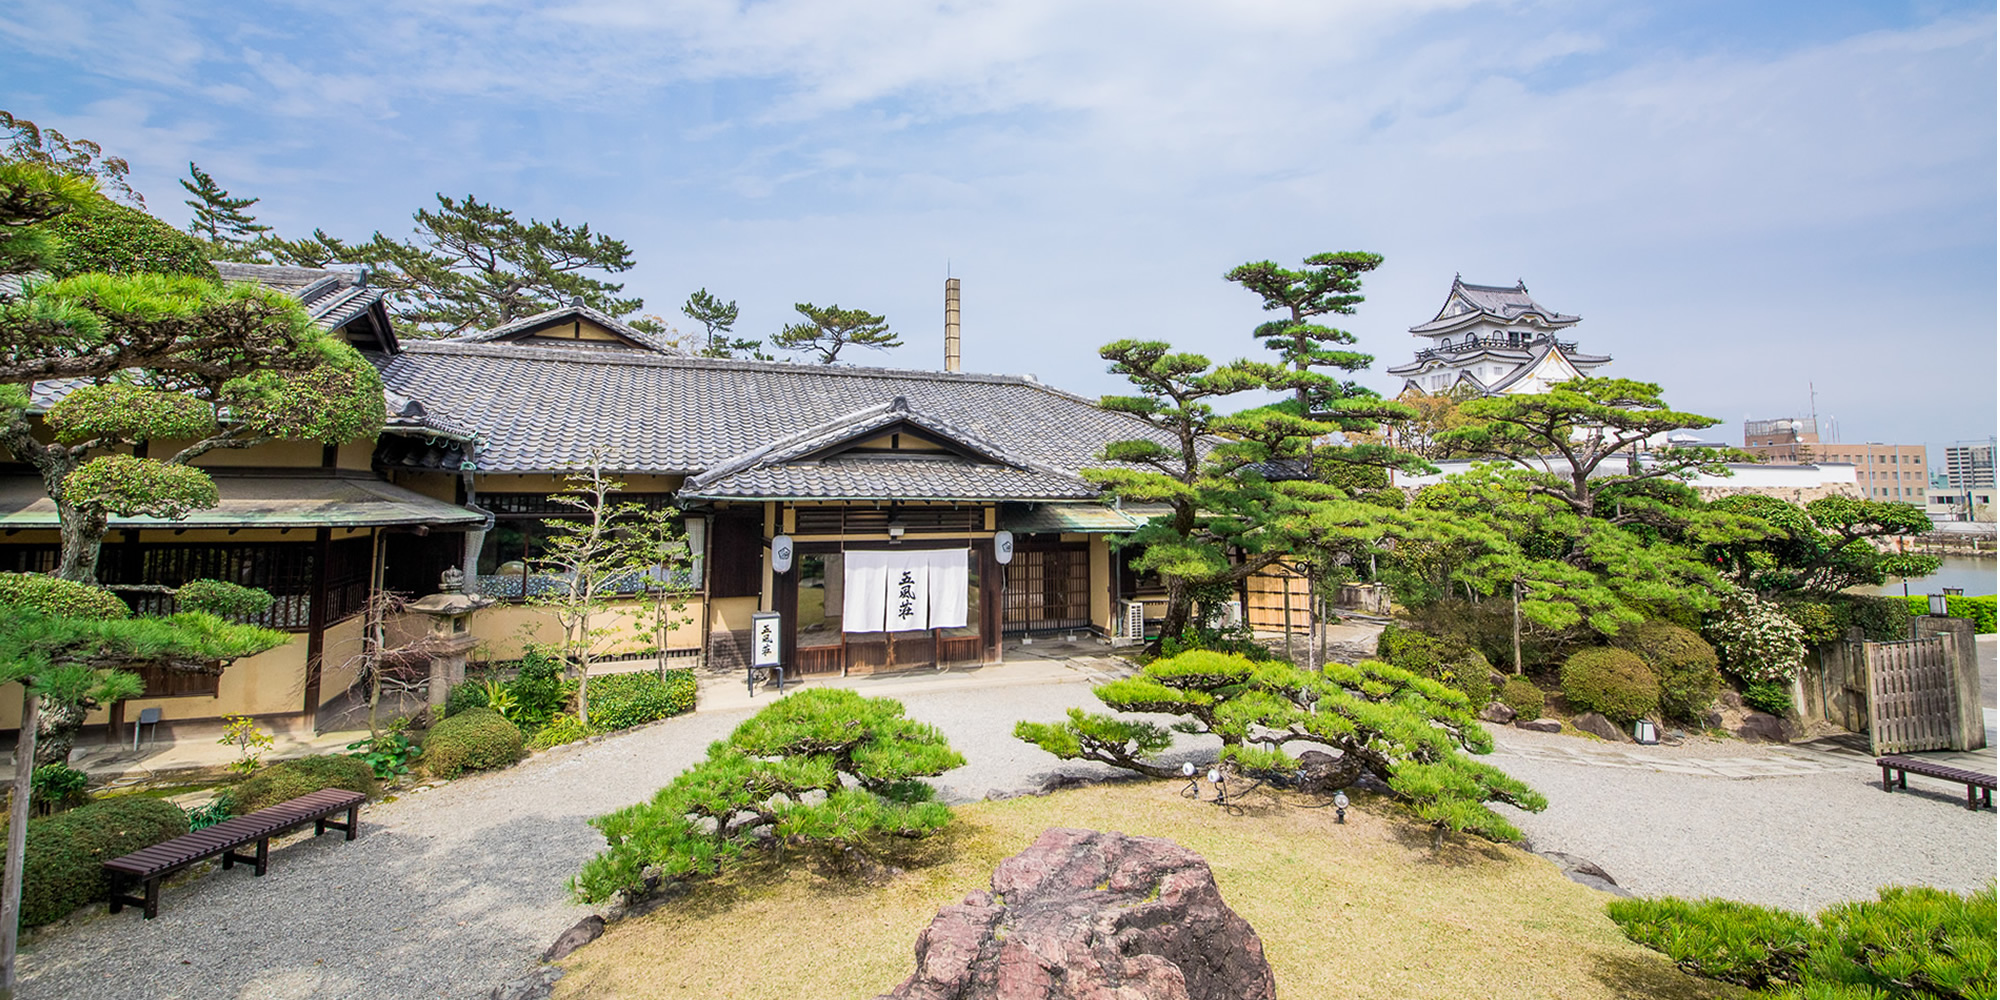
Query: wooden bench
{"points": [[1978, 787], [148, 866]]}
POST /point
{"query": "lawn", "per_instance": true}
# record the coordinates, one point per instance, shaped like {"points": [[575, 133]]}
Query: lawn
{"points": [[1363, 909]]}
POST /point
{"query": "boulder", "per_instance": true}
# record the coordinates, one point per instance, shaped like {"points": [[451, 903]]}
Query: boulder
{"points": [[585, 931], [1497, 712], [812, 797], [1322, 772], [1762, 726], [1540, 725], [739, 822], [1083, 914], [1597, 725]]}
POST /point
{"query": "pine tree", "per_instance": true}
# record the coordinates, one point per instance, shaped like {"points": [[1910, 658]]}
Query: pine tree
{"points": [[829, 329], [219, 218], [719, 318], [1329, 283]]}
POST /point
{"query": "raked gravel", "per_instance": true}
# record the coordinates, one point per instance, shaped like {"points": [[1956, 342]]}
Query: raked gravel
{"points": [[452, 891], [1735, 826]]}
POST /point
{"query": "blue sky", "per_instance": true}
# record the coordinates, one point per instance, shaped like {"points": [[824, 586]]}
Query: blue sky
{"points": [[1740, 199]]}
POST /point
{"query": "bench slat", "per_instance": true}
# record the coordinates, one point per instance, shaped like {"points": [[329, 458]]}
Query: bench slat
{"points": [[234, 832]]}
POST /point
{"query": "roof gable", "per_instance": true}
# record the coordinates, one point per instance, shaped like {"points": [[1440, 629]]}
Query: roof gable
{"points": [[573, 325], [1467, 303]]}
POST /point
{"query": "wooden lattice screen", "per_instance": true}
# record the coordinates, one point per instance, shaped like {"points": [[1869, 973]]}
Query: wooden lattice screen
{"points": [[1913, 700]]}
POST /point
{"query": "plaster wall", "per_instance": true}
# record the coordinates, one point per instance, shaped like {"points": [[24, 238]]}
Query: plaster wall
{"points": [[505, 630]]}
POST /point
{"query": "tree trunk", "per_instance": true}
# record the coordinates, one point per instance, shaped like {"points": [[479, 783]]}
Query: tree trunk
{"points": [[56, 729], [17, 839], [1180, 608], [82, 539], [1517, 627]]}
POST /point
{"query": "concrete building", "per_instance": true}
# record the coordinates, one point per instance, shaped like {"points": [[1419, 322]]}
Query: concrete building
{"points": [[1489, 340], [1788, 439], [1898, 472], [1968, 465]]}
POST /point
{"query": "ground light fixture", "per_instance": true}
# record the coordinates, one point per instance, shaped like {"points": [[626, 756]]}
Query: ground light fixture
{"points": [[1938, 605], [1193, 789], [1340, 807], [1216, 778]]}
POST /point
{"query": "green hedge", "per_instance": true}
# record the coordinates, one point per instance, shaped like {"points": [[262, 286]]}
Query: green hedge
{"points": [[473, 740], [1828, 617], [1979, 609], [67, 851], [1527, 700], [1683, 662], [1611, 681], [620, 701], [1449, 659], [105, 236], [467, 694], [288, 779], [63, 598]]}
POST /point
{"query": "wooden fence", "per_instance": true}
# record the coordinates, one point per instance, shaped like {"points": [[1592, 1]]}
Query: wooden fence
{"points": [[1913, 696]]}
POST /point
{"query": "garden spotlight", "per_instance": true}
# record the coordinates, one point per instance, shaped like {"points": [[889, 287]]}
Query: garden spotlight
{"points": [[1340, 807], [1193, 790]]}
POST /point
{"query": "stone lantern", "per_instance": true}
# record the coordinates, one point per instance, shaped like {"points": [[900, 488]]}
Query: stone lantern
{"points": [[450, 638]]}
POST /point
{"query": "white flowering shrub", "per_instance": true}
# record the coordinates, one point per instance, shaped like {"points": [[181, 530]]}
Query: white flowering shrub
{"points": [[1757, 641]]}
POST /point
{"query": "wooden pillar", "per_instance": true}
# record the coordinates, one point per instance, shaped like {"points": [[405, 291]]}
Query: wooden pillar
{"points": [[316, 626]]}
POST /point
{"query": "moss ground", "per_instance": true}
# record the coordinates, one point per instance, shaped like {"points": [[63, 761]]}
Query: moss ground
{"points": [[1364, 909]]}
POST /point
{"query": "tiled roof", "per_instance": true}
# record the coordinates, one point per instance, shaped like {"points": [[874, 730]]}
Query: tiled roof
{"points": [[560, 314], [262, 501], [1502, 302], [333, 296], [541, 410]]}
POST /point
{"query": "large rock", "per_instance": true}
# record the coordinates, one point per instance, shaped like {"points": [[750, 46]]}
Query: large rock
{"points": [[1597, 725], [1539, 725], [1103, 916], [1497, 712], [1322, 772], [1763, 726]]}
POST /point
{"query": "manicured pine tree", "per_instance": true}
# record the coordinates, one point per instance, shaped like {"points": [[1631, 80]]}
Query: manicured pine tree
{"points": [[219, 218], [828, 330]]}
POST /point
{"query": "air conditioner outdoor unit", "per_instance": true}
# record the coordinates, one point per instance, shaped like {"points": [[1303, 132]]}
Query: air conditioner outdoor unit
{"points": [[1131, 622]]}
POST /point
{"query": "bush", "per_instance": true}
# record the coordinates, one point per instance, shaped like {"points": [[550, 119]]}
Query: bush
{"points": [[476, 739], [1755, 640], [1445, 658], [539, 691], [55, 787], [66, 852], [560, 730], [289, 779], [1683, 663], [621, 701], [469, 694], [1908, 942], [1774, 697], [222, 599], [1980, 609], [60, 598], [1611, 681], [108, 237], [1521, 695]]}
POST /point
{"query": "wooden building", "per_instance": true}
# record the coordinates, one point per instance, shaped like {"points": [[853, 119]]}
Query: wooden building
{"points": [[871, 472]]}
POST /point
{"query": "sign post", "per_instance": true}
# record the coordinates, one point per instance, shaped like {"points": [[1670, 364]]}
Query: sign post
{"points": [[766, 648]]}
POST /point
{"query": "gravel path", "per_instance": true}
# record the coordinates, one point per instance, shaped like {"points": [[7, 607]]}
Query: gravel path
{"points": [[452, 891], [1776, 826]]}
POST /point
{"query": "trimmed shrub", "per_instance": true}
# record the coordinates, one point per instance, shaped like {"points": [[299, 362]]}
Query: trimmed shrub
{"points": [[1774, 697], [55, 787], [621, 701], [222, 599], [1447, 658], [469, 694], [1611, 681], [1683, 663], [61, 598], [63, 867], [105, 236], [539, 691], [1980, 609], [1908, 942], [289, 779], [1521, 695], [476, 739]]}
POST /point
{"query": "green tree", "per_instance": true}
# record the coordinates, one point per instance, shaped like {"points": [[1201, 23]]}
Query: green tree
{"points": [[828, 330], [1328, 283], [613, 551], [474, 265], [1824, 547], [220, 218], [69, 643], [1409, 731], [48, 148], [1227, 520], [824, 767], [719, 319]]}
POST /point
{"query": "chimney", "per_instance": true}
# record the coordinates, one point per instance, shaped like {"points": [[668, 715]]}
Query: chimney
{"points": [[951, 324]]}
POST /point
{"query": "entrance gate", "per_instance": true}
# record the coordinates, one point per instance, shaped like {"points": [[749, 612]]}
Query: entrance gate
{"points": [[1913, 696]]}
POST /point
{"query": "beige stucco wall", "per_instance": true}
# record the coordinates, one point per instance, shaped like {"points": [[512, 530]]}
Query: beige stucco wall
{"points": [[731, 614], [1100, 582], [340, 660], [505, 630]]}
